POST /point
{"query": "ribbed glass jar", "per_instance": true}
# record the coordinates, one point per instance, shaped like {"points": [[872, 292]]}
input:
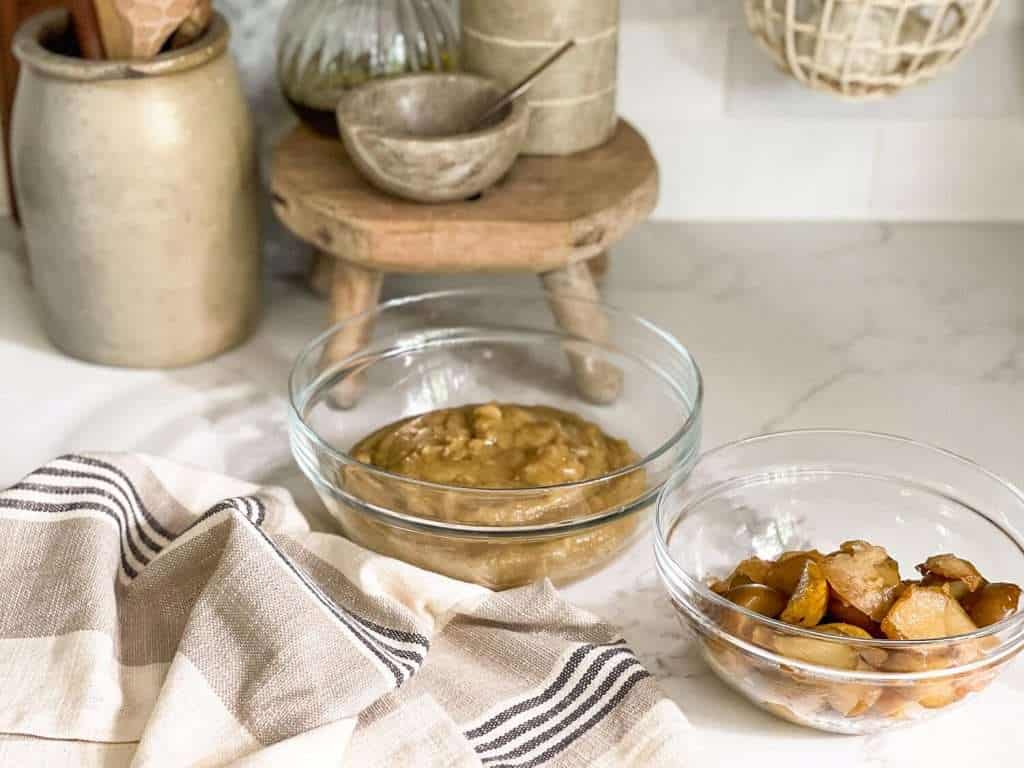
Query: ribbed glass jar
{"points": [[327, 46]]}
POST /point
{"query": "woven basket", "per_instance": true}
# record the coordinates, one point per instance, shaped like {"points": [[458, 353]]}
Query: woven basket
{"points": [[865, 49]]}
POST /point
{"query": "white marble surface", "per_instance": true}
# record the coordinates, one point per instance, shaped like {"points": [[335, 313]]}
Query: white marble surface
{"points": [[917, 330]]}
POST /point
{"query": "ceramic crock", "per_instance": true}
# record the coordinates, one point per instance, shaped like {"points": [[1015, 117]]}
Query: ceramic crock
{"points": [[137, 186]]}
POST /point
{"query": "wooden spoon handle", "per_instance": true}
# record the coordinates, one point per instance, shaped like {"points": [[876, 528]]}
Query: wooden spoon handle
{"points": [[194, 25], [116, 40], [152, 22], [87, 28]]}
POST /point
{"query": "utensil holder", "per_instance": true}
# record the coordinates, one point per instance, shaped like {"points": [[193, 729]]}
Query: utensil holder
{"points": [[138, 190], [572, 105]]}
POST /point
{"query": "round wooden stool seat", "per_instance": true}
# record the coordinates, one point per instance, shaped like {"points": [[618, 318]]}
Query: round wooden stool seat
{"points": [[548, 211], [549, 215]]}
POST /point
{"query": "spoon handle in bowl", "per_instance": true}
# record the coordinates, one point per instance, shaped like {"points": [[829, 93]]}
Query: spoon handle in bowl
{"points": [[524, 85]]}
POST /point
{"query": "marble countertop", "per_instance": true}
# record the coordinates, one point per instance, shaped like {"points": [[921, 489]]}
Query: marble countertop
{"points": [[913, 330]]}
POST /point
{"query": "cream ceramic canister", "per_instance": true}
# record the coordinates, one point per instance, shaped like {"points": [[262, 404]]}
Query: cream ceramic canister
{"points": [[137, 186], [572, 105]]}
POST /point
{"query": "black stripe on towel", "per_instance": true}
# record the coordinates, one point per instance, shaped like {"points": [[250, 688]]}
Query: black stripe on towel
{"points": [[578, 690], [556, 730], [115, 470], [129, 512], [35, 506], [549, 693], [596, 718], [128, 525]]}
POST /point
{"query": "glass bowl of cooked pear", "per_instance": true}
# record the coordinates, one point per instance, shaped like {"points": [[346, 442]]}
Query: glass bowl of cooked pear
{"points": [[845, 581]]}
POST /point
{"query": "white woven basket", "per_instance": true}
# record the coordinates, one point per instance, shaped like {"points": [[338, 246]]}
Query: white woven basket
{"points": [[864, 49]]}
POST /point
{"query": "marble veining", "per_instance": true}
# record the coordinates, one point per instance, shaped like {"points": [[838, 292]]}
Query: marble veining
{"points": [[910, 329]]}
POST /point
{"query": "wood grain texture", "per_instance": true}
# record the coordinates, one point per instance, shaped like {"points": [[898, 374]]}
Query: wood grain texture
{"points": [[151, 22], [575, 303], [114, 30], [354, 290], [547, 213], [194, 25], [87, 29]]}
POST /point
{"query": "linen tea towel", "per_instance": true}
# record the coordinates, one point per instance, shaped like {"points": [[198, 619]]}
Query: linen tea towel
{"points": [[155, 615]]}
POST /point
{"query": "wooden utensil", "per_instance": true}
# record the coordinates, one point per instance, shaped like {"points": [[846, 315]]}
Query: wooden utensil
{"points": [[151, 22], [113, 30], [194, 25], [87, 28]]}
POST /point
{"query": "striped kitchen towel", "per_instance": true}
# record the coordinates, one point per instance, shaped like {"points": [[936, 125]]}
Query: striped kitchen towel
{"points": [[155, 615]]}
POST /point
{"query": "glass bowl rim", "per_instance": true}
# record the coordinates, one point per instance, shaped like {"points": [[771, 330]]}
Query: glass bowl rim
{"points": [[669, 569], [299, 423]]}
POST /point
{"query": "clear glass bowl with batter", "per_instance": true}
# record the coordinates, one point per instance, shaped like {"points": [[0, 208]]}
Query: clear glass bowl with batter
{"points": [[459, 348]]}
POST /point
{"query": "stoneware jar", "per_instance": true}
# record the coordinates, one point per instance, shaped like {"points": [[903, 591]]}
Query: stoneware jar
{"points": [[572, 105], [137, 186]]}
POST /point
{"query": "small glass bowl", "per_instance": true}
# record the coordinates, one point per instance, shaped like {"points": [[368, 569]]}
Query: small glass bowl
{"points": [[816, 489], [456, 348]]}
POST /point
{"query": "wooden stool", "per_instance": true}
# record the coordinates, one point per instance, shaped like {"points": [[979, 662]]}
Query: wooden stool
{"points": [[549, 215]]}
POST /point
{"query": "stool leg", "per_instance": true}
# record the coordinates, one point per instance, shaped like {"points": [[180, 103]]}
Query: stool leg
{"points": [[321, 273], [597, 380], [354, 290], [599, 266]]}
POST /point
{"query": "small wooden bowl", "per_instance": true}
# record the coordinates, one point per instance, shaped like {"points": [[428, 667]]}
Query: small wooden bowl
{"points": [[411, 136]]}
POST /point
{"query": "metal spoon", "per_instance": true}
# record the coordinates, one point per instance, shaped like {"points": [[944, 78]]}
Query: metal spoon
{"points": [[522, 86]]}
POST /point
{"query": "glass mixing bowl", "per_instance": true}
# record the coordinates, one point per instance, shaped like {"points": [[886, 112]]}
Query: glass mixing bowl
{"points": [[456, 348], [816, 489]]}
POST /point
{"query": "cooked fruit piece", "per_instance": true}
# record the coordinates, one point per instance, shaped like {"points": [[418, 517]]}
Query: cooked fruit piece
{"points": [[864, 576], [751, 571], [844, 613], [754, 568], [992, 603], [730, 659], [914, 661], [810, 598], [784, 574], [893, 704], [852, 699], [926, 613], [844, 630], [759, 599], [813, 554], [957, 589], [937, 695], [821, 652], [953, 568]]}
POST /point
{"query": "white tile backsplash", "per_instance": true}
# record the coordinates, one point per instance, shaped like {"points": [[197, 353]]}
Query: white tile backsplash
{"points": [[763, 169], [967, 171], [695, 51]]}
